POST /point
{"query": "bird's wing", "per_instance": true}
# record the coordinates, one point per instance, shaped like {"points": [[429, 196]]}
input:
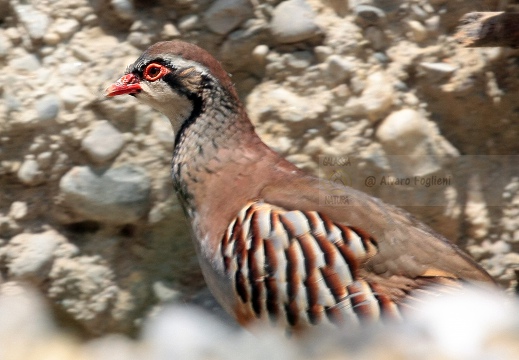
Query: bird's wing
{"points": [[298, 267], [294, 258], [405, 246]]}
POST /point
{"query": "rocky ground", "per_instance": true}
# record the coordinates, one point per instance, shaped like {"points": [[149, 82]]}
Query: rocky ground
{"points": [[373, 93]]}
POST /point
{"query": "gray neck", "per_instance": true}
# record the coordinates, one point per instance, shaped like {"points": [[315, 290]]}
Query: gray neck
{"points": [[217, 134]]}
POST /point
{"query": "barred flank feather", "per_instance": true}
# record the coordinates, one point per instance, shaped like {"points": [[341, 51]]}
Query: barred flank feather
{"points": [[301, 268]]}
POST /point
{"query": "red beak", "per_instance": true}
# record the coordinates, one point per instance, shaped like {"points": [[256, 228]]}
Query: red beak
{"points": [[128, 84]]}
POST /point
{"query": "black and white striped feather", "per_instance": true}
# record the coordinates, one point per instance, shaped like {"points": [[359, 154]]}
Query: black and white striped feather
{"points": [[300, 268]]}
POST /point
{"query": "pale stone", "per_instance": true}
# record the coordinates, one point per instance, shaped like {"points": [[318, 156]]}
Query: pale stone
{"points": [[293, 21], [33, 20], [409, 135], [375, 100], [418, 31], [119, 195], [65, 28], [30, 255], [18, 210], [30, 173], [438, 70], [223, 16], [47, 108], [74, 95], [103, 143]]}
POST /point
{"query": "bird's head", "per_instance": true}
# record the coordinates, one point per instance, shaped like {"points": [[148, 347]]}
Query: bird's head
{"points": [[174, 78]]}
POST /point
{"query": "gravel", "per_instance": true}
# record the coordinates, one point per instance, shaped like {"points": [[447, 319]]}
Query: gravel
{"points": [[363, 79]]}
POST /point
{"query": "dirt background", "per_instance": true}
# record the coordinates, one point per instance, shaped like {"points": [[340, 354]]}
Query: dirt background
{"points": [[87, 211]]}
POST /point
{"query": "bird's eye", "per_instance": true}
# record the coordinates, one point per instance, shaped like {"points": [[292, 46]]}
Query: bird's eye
{"points": [[155, 71]]}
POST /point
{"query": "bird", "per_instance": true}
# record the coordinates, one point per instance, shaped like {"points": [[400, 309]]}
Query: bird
{"points": [[271, 249]]}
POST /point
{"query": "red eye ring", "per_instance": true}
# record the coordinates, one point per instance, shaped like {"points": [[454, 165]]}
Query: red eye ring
{"points": [[154, 71]]}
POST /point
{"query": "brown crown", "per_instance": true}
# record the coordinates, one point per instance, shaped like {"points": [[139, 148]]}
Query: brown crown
{"points": [[193, 53]]}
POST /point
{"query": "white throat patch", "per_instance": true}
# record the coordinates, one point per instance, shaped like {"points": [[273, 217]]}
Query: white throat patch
{"points": [[175, 106]]}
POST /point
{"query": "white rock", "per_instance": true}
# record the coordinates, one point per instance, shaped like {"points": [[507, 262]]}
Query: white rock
{"points": [[511, 259], [73, 95], [352, 4], [83, 54], [223, 16], [183, 324], [118, 195], [51, 38], [375, 100], [281, 144], [91, 20], [322, 52], [339, 68], [65, 28], [418, 11], [123, 8], [432, 24], [139, 39], [438, 69], [84, 288], [104, 142], [12, 103], [30, 255], [113, 347], [299, 60], [25, 63], [47, 108], [18, 210], [25, 320], [260, 53], [165, 293], [169, 31], [13, 34], [418, 31], [408, 134], [34, 21], [70, 69], [402, 127], [81, 12], [434, 317], [30, 173], [293, 108], [293, 21], [189, 22]]}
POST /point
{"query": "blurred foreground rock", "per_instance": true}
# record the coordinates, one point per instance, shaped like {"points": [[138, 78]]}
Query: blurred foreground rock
{"points": [[442, 328]]}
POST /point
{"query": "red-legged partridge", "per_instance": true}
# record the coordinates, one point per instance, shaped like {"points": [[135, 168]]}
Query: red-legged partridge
{"points": [[269, 246]]}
